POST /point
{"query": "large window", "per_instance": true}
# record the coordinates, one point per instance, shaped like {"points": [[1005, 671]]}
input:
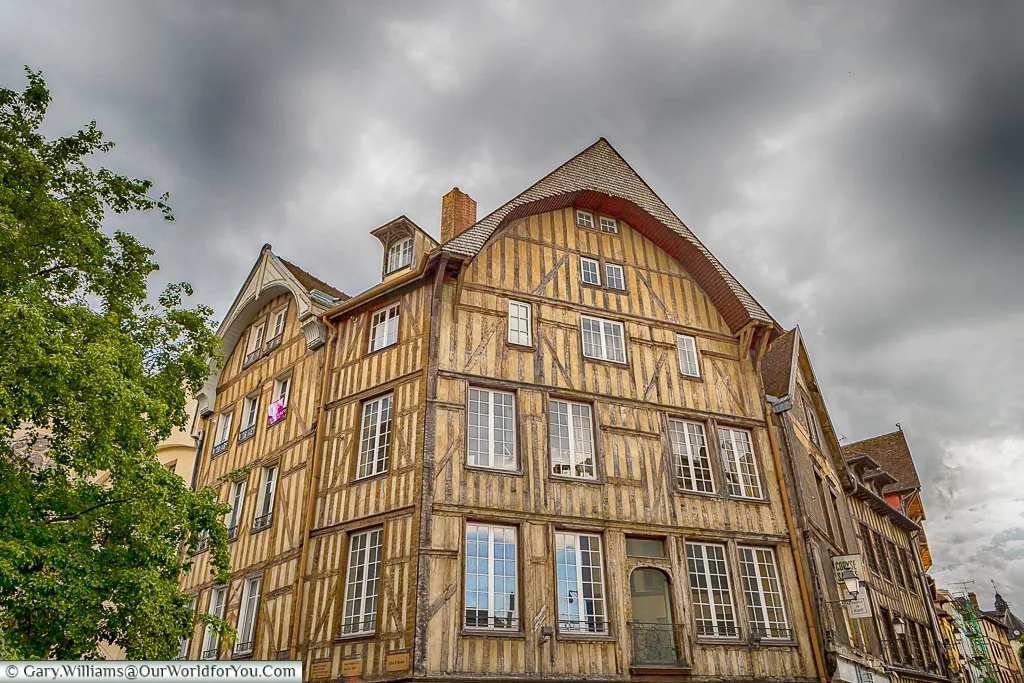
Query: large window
{"points": [[869, 547], [491, 588], [690, 450], [400, 255], [603, 339], [883, 558], [764, 595], [236, 499], [256, 334], [492, 434], [280, 318], [384, 328], [265, 502], [710, 591], [740, 467], [247, 615], [687, 347], [519, 323], [580, 577], [250, 413], [278, 407], [590, 271], [186, 641], [211, 640], [362, 583], [572, 439], [223, 427], [375, 442]]}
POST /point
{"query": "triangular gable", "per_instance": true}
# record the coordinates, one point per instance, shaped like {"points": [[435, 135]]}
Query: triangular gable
{"points": [[599, 178], [405, 223], [893, 455]]}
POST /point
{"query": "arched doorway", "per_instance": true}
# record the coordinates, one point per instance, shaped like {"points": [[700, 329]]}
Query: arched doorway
{"points": [[654, 633]]}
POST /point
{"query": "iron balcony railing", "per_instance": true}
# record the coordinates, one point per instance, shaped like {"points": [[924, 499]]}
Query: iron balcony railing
{"points": [[771, 633], [658, 644], [210, 654], [232, 533], [243, 648], [219, 448], [353, 627], [706, 629], [246, 433], [478, 620], [585, 625], [273, 343], [262, 522], [251, 358]]}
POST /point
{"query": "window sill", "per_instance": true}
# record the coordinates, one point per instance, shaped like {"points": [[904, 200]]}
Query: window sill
{"points": [[575, 480], [349, 637], [620, 364], [383, 348], [369, 477], [720, 640], [702, 494], [242, 655], [492, 633], [520, 347], [599, 637], [691, 378], [518, 472]]}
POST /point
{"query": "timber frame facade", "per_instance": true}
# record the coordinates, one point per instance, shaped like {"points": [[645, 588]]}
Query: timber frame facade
{"points": [[543, 448]]}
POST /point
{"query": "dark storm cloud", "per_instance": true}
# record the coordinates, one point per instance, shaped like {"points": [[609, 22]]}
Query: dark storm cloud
{"points": [[860, 168]]}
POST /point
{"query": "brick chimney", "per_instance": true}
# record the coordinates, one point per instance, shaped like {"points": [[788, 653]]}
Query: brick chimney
{"points": [[458, 212]]}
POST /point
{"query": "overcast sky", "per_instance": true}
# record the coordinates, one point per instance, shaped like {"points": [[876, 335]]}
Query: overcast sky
{"points": [[859, 167]]}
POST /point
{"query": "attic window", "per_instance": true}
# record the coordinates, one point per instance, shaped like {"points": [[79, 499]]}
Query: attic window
{"points": [[609, 224], [400, 255], [585, 218]]}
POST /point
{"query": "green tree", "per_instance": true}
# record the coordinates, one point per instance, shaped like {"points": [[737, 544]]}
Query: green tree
{"points": [[93, 375]]}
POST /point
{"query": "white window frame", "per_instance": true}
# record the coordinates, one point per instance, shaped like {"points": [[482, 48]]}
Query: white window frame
{"points": [[486, 429], [211, 639], [256, 337], [584, 262], [741, 474], [609, 277], [568, 598], [400, 255], [689, 361], [688, 438], [720, 613], [579, 438], [282, 389], [251, 411], [280, 321], [384, 328], [267, 494], [236, 499], [762, 583], [248, 609], [600, 349], [224, 426], [185, 642], [520, 323], [608, 224], [584, 218], [362, 582], [505, 603], [375, 438]]}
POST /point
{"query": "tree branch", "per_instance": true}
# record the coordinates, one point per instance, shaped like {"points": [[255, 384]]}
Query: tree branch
{"points": [[87, 511]]}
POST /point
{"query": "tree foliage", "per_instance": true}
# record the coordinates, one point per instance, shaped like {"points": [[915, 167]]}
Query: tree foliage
{"points": [[92, 376]]}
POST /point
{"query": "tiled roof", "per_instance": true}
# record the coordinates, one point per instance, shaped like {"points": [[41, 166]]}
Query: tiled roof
{"points": [[777, 365], [311, 282], [599, 171], [892, 454]]}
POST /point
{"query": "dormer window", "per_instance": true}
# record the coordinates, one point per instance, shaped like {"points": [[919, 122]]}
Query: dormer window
{"points": [[400, 255]]}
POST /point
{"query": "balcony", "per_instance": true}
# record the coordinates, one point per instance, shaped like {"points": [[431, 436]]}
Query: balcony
{"points": [[273, 344], [251, 358], [262, 522], [210, 654], [247, 433], [658, 646], [232, 533], [219, 448], [243, 648]]}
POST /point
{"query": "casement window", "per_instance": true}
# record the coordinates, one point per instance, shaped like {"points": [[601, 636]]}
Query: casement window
{"points": [[519, 325], [278, 407], [603, 339], [375, 439], [687, 347], [641, 546], [384, 328], [571, 430], [590, 271], [280, 318], [883, 558], [236, 499], [897, 566], [740, 467], [491, 429], [491, 579], [764, 594], [609, 224], [220, 445], [256, 338], [185, 642], [911, 568], [265, 501], [362, 582], [247, 615], [585, 218], [400, 255], [690, 452], [250, 413], [582, 607], [869, 548], [823, 504], [614, 276], [211, 640], [710, 591]]}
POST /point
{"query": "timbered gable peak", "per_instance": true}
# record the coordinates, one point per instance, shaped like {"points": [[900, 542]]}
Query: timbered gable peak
{"points": [[599, 179]]}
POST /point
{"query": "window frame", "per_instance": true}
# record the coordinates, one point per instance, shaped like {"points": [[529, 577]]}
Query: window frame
{"points": [[514, 619], [597, 271], [280, 320], [590, 218], [767, 628], [371, 459], [680, 343], [689, 448], [244, 614], [257, 333], [236, 491], [224, 420], [602, 322], [211, 639], [570, 426], [268, 488], [714, 608], [528, 321], [605, 621], [185, 642], [366, 564], [402, 252], [621, 276], [385, 317], [614, 227], [492, 453], [727, 465]]}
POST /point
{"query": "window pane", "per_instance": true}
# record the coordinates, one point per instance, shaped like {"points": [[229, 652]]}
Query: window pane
{"points": [[491, 577], [584, 218], [688, 356], [384, 328], [490, 429], [362, 582], [579, 574], [645, 547], [589, 272], [764, 596], [609, 224], [558, 428], [615, 349], [375, 437], [614, 276], [689, 447], [709, 588], [519, 323], [738, 459], [593, 342]]}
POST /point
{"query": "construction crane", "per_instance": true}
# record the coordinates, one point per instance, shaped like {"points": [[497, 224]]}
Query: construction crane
{"points": [[975, 634]]}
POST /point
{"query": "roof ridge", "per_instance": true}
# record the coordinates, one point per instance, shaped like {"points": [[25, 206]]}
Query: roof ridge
{"points": [[306, 279]]}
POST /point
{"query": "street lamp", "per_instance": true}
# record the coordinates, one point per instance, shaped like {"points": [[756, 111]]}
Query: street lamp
{"points": [[851, 582], [899, 626]]}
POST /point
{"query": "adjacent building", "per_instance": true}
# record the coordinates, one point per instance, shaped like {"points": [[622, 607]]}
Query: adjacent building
{"points": [[1004, 632]]}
